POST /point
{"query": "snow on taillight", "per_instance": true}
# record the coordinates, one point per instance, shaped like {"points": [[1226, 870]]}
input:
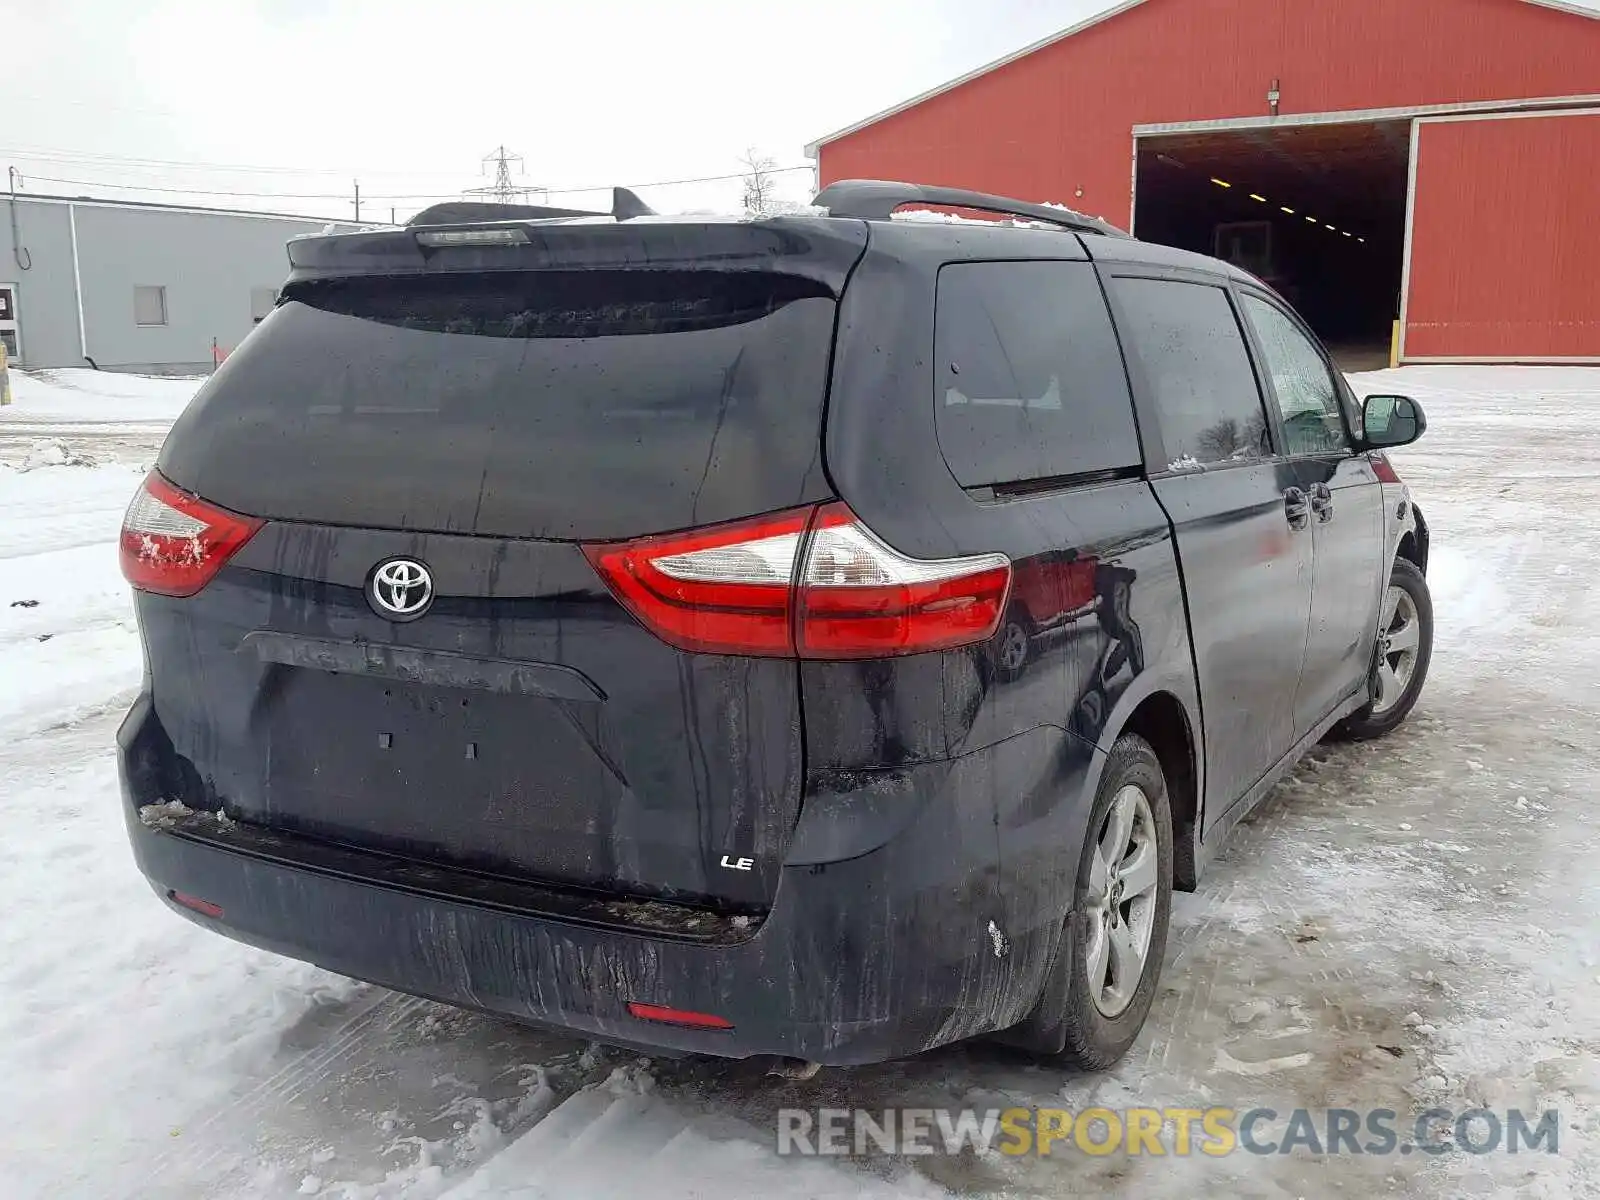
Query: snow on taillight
{"points": [[743, 588], [860, 598], [173, 543]]}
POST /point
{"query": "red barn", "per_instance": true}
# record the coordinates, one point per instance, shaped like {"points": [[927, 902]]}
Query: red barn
{"points": [[1435, 162]]}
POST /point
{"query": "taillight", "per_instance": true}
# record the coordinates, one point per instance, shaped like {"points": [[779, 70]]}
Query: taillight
{"points": [[728, 589], [1383, 468], [173, 543], [812, 583], [859, 598]]}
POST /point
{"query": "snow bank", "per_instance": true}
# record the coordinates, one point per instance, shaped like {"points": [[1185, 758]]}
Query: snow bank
{"points": [[53, 452], [81, 394], [68, 644]]}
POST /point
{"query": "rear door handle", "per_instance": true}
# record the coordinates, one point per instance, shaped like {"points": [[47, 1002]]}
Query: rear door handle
{"points": [[1322, 502], [1296, 507]]}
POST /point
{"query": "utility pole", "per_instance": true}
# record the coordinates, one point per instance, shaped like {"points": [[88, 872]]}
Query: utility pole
{"points": [[358, 201]]}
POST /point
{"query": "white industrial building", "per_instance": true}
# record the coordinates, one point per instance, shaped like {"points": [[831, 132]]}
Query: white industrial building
{"points": [[130, 286]]}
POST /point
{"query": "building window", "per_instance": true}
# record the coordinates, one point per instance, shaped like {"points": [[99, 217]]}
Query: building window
{"points": [[149, 306], [261, 301]]}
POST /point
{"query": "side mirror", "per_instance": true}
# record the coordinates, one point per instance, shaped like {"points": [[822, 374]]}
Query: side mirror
{"points": [[1391, 421]]}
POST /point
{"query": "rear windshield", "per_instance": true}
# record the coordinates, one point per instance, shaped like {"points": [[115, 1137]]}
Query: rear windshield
{"points": [[591, 404]]}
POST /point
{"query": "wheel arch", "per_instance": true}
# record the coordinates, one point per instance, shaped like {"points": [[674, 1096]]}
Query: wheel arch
{"points": [[1164, 717], [1162, 720], [1413, 545]]}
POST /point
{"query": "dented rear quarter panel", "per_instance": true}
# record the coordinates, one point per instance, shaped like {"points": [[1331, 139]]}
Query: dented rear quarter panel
{"points": [[1025, 747]]}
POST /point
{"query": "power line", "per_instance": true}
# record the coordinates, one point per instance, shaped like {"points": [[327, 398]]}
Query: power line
{"points": [[146, 166], [92, 158], [190, 191], [602, 187]]}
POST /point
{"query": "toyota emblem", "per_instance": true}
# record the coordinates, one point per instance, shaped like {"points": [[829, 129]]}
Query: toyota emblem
{"points": [[401, 589]]}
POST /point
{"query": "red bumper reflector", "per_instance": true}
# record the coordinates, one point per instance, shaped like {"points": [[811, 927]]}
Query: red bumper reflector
{"points": [[676, 1016], [204, 907]]}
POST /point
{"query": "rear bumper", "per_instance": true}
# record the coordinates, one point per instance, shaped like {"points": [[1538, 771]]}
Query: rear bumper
{"points": [[913, 944]]}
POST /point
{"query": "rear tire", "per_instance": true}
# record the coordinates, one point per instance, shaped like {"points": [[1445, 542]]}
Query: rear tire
{"points": [[1121, 908], [1404, 650]]}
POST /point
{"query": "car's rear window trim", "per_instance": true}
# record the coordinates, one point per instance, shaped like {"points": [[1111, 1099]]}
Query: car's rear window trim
{"points": [[1018, 489]]}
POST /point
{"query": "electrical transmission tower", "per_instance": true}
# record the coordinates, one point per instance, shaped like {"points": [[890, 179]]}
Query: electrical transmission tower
{"points": [[504, 190]]}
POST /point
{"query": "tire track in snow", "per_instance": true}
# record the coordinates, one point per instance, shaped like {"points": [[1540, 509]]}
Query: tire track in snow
{"points": [[377, 1012]]}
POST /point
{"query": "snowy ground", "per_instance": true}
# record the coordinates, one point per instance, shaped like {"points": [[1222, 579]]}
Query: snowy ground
{"points": [[109, 416], [1435, 894]]}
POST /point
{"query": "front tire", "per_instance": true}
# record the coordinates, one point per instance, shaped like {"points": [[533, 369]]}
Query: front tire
{"points": [[1402, 656], [1121, 909]]}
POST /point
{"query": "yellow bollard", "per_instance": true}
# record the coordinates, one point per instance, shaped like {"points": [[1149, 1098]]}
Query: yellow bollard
{"points": [[1394, 345]]}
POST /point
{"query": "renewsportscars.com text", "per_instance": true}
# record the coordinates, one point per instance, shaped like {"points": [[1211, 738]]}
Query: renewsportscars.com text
{"points": [[1158, 1132]]}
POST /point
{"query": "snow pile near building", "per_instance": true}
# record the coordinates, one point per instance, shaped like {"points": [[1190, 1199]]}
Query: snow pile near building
{"points": [[75, 418], [84, 395]]}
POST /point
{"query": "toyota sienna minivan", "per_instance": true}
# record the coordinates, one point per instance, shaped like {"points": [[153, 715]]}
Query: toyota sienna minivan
{"points": [[823, 637]]}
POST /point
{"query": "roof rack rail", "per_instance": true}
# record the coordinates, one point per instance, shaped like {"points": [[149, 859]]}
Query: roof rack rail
{"points": [[877, 199], [624, 205]]}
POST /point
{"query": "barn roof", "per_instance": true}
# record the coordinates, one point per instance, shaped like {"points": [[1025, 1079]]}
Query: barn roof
{"points": [[1091, 22]]}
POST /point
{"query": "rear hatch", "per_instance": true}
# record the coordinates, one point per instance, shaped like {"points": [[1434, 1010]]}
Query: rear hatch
{"points": [[497, 413]]}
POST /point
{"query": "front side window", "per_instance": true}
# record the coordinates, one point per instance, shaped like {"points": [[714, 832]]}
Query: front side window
{"points": [[1192, 357], [1306, 393]]}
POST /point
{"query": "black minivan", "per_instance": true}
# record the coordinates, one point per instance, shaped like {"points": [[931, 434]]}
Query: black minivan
{"points": [[825, 636]]}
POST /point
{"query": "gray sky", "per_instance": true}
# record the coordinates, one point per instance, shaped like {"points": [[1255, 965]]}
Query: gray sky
{"points": [[409, 96]]}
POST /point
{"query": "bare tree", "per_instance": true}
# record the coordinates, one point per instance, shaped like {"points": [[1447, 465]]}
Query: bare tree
{"points": [[759, 189]]}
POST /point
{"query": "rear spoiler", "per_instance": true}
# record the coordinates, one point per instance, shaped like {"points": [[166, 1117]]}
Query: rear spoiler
{"points": [[814, 248], [624, 207]]}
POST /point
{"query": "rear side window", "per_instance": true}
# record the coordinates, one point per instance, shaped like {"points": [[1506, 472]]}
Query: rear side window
{"points": [[1029, 379], [1192, 357]]}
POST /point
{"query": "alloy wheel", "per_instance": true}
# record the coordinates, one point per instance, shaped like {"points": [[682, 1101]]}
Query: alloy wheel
{"points": [[1399, 637], [1121, 906]]}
